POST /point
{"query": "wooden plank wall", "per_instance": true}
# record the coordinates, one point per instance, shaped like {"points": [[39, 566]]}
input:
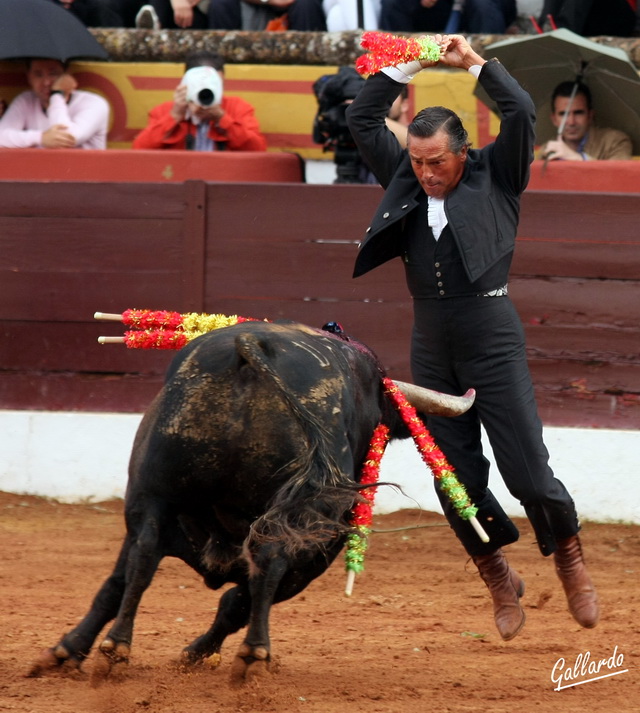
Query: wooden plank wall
{"points": [[576, 285], [286, 251]]}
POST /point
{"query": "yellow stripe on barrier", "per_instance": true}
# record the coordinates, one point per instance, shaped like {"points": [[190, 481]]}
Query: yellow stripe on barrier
{"points": [[282, 96]]}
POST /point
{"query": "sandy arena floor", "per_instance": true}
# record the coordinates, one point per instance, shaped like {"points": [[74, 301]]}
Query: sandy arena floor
{"points": [[416, 636]]}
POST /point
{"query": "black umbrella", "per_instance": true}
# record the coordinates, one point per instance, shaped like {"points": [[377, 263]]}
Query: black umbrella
{"points": [[43, 29]]}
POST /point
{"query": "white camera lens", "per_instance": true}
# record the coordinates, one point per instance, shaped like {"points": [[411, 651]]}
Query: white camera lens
{"points": [[204, 86]]}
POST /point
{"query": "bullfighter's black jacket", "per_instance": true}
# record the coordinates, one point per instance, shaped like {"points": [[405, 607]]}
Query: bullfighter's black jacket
{"points": [[482, 210]]}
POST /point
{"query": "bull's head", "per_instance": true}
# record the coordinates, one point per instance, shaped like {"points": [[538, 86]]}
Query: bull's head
{"points": [[421, 398]]}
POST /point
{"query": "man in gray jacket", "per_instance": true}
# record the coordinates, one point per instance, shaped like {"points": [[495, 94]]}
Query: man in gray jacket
{"points": [[451, 213]]}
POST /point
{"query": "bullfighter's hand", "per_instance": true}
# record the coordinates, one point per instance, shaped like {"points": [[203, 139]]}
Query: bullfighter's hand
{"points": [[457, 52], [441, 42], [180, 104], [559, 151], [57, 137]]}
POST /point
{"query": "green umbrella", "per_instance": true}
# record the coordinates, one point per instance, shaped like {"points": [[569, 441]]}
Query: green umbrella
{"points": [[541, 62]]}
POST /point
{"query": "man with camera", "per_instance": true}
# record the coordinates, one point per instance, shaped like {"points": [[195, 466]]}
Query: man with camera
{"points": [[201, 117]]}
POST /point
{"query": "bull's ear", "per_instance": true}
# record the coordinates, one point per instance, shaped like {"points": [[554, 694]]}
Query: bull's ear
{"points": [[434, 402]]}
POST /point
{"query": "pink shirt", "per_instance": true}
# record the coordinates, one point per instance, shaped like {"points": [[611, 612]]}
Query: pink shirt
{"points": [[86, 117]]}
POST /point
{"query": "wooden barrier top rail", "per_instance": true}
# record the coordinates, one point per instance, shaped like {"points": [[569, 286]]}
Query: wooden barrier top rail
{"points": [[46, 165], [126, 165]]}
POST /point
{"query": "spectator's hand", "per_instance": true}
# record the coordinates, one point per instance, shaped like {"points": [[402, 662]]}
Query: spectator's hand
{"points": [[559, 151], [183, 12], [180, 104], [428, 3], [65, 83], [207, 113], [57, 137]]}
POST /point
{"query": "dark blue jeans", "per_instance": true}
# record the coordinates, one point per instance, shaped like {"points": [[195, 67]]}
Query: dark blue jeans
{"points": [[302, 15], [165, 15], [479, 17]]}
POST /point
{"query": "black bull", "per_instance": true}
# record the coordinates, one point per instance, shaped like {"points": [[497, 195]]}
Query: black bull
{"points": [[245, 467]]}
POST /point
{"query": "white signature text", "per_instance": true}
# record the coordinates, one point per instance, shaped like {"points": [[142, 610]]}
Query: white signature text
{"points": [[585, 669]]}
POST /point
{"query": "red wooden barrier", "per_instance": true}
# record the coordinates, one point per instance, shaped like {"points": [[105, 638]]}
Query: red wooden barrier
{"points": [[287, 251], [269, 167], [162, 166], [586, 177]]}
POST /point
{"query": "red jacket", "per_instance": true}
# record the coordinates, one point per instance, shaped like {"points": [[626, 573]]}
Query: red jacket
{"points": [[238, 130]]}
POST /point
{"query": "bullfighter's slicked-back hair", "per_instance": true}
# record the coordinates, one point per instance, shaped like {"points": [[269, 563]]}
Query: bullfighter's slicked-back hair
{"points": [[429, 121]]}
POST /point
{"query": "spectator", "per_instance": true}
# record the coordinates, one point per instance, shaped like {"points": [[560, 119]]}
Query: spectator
{"points": [[398, 116], [341, 15], [174, 14], [104, 13], [126, 10], [227, 124], [54, 113], [92, 13], [581, 140], [591, 17], [478, 16], [147, 18], [301, 15]]}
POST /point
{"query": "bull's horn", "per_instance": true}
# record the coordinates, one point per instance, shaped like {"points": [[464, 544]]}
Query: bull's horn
{"points": [[435, 403]]}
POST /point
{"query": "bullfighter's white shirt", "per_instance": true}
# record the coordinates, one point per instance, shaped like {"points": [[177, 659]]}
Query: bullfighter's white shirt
{"points": [[437, 218]]}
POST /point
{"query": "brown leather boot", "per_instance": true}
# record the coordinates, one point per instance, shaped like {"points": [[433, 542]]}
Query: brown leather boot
{"points": [[581, 594], [506, 587]]}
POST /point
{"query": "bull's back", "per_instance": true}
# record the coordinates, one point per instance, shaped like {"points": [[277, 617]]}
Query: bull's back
{"points": [[239, 401]]}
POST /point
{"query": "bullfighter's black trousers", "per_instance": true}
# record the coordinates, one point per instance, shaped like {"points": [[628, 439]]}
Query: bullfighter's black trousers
{"points": [[478, 342]]}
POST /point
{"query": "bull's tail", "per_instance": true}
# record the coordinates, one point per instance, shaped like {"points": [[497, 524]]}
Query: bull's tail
{"points": [[310, 509]]}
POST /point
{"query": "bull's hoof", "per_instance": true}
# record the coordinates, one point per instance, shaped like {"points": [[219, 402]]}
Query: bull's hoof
{"points": [[48, 660], [109, 656], [45, 662], [55, 658], [250, 663], [189, 659]]}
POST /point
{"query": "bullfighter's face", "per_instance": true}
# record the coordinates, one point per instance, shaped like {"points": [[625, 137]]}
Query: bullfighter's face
{"points": [[437, 168]]}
